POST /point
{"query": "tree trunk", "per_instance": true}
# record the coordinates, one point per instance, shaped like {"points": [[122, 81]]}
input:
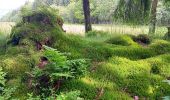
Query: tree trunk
{"points": [[168, 32], [153, 17], [86, 8]]}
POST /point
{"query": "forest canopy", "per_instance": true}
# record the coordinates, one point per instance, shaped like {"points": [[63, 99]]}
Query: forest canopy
{"points": [[102, 11]]}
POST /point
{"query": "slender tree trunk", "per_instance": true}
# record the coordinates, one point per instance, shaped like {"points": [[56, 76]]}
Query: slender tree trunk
{"points": [[86, 8], [153, 17], [168, 32]]}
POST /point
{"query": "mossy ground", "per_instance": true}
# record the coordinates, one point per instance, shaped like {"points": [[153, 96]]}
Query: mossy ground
{"points": [[120, 67]]}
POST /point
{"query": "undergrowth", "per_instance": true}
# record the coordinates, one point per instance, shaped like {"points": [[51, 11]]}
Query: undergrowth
{"points": [[121, 66]]}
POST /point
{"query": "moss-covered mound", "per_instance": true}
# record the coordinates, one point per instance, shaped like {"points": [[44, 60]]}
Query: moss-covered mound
{"points": [[123, 40], [36, 29]]}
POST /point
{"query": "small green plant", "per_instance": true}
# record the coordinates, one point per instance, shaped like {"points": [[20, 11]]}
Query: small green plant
{"points": [[58, 69], [73, 95], [5, 92], [2, 78]]}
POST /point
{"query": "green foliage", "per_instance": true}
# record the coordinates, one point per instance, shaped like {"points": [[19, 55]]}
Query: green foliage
{"points": [[61, 66], [78, 66], [73, 95], [2, 79], [166, 2], [55, 56], [7, 93], [119, 66], [57, 69], [133, 11]]}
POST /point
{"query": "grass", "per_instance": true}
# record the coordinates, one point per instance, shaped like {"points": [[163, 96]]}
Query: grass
{"points": [[2, 42], [78, 29], [114, 28], [6, 27], [120, 67], [5, 30]]}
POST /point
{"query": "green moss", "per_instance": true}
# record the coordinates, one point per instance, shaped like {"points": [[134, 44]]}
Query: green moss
{"points": [[17, 66], [134, 77], [124, 68], [160, 46], [88, 91], [123, 40]]}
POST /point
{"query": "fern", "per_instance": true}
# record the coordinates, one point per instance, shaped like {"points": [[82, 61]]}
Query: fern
{"points": [[57, 70], [2, 79]]}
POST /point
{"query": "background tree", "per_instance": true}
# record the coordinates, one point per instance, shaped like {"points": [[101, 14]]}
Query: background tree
{"points": [[153, 17], [86, 9], [132, 11]]}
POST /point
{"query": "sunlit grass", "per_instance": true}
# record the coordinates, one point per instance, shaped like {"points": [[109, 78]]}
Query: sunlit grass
{"points": [[78, 29], [120, 29], [5, 30], [5, 27]]}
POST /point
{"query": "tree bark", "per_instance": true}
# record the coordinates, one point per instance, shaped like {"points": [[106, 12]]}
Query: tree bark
{"points": [[168, 33], [153, 17], [86, 8]]}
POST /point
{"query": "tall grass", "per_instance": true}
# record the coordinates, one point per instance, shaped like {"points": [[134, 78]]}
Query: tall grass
{"points": [[5, 30], [5, 27], [112, 28]]}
